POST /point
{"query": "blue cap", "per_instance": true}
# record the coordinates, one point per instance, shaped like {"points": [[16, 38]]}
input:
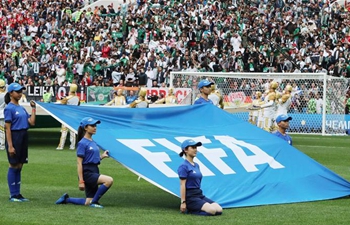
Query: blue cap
{"points": [[204, 83], [190, 142], [283, 117], [88, 121], [15, 87]]}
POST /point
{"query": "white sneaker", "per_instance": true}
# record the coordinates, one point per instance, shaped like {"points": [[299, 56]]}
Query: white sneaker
{"points": [[58, 148], [71, 148]]}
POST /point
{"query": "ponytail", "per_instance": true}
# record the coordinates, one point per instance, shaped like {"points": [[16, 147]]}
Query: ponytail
{"points": [[7, 98], [81, 133], [182, 153]]}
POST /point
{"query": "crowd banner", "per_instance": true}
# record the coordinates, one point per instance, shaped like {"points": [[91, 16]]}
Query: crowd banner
{"points": [[36, 93], [180, 93], [237, 99], [241, 164], [100, 95]]}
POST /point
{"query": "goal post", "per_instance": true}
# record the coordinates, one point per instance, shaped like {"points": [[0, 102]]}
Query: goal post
{"points": [[317, 102]]}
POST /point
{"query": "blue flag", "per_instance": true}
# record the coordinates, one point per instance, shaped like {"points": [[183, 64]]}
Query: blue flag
{"points": [[241, 164]]}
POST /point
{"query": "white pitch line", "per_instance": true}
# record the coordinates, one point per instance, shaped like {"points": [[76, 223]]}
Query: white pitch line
{"points": [[320, 146], [318, 138]]}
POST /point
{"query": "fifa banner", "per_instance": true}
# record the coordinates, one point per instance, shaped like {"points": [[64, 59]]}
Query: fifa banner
{"points": [[309, 123], [242, 165]]}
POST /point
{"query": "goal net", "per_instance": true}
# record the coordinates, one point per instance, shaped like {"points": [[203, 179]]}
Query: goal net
{"points": [[317, 102]]}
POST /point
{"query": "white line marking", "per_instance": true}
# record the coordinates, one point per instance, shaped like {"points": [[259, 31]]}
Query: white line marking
{"points": [[321, 146]]}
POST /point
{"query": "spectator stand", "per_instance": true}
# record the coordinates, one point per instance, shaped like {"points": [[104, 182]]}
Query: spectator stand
{"points": [[42, 44]]}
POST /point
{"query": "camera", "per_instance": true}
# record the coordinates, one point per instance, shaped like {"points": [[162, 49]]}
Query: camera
{"points": [[152, 98]]}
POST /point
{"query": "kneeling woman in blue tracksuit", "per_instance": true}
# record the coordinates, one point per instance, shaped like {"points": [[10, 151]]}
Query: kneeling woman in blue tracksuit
{"points": [[88, 159], [192, 198]]}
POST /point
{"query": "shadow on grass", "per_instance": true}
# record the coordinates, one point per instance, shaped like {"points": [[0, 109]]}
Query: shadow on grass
{"points": [[148, 200], [44, 135]]}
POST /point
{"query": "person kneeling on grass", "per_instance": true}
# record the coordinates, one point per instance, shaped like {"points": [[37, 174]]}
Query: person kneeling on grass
{"points": [[192, 199], [88, 157]]}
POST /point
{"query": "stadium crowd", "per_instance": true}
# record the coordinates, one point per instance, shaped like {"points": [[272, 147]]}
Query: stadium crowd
{"points": [[54, 42]]}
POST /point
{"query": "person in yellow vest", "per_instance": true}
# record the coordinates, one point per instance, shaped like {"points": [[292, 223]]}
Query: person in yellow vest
{"points": [[141, 102], [77, 16], [2, 107], [216, 97], [89, 13], [47, 97], [118, 98], [71, 99], [67, 10], [283, 103], [169, 99]]}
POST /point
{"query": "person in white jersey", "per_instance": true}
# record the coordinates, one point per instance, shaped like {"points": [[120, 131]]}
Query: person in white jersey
{"points": [[284, 103], [269, 107], [216, 97]]}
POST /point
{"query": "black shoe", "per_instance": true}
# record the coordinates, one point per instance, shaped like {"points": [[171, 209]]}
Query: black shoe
{"points": [[23, 199]]}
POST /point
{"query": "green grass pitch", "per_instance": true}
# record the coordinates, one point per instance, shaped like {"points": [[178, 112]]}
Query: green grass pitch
{"points": [[50, 173]]}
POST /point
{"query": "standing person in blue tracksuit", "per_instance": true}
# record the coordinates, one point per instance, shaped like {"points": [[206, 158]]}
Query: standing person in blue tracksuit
{"points": [[88, 159], [204, 87], [192, 198], [17, 121]]}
